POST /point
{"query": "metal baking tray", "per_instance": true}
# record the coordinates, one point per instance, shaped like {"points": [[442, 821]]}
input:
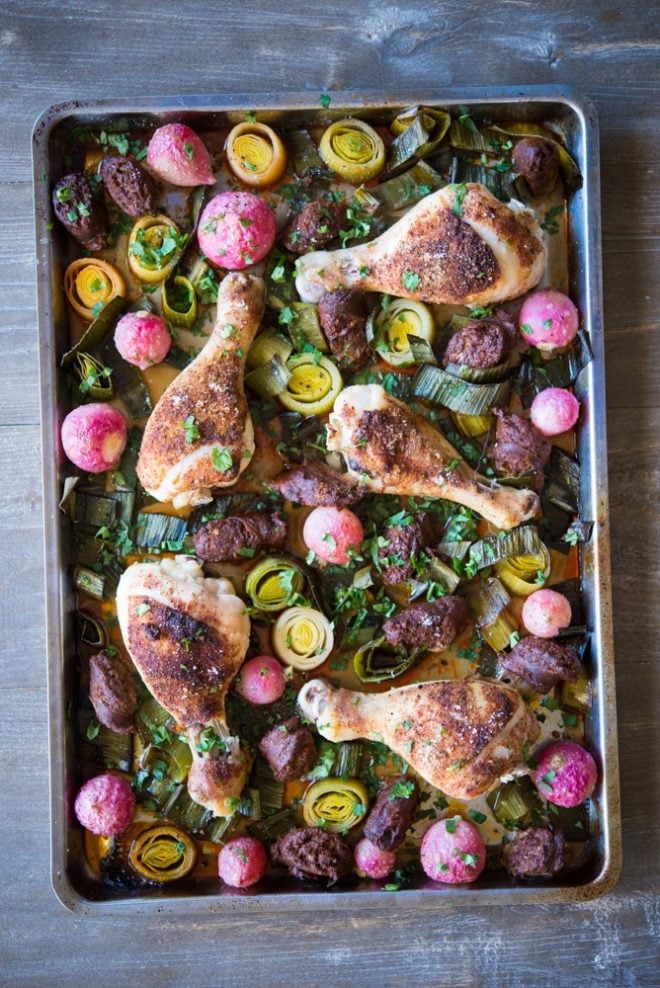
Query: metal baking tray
{"points": [[73, 883]]}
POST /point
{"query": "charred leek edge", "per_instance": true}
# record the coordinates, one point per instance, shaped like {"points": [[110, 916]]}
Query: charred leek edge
{"points": [[484, 141], [454, 550], [377, 661], [153, 719], [408, 188], [493, 619], [349, 755], [419, 130], [480, 375], [421, 350], [88, 282], [274, 825], [353, 150], [520, 574], [500, 184], [88, 582], [273, 583], [313, 386], [269, 380], [175, 754], [179, 301], [90, 630], [307, 162], [437, 386], [183, 811], [576, 696], [302, 638], [472, 425], [513, 802], [563, 481], [218, 827], [522, 541], [267, 345], [156, 531], [390, 328], [154, 232], [335, 804], [95, 379], [559, 372], [444, 574], [255, 154], [162, 854], [250, 804], [272, 791]]}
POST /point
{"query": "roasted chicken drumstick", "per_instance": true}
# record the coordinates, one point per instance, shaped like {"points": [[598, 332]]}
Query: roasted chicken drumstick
{"points": [[460, 736], [459, 245], [200, 436], [391, 449], [187, 636]]}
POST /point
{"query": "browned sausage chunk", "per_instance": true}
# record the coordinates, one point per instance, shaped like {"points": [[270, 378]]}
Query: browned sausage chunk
{"points": [[534, 853], [404, 544], [393, 813], [537, 160], [112, 692], [289, 749], [235, 538], [431, 625], [541, 663], [519, 448], [316, 484], [316, 225], [343, 317], [128, 185], [79, 212], [313, 853], [482, 342]]}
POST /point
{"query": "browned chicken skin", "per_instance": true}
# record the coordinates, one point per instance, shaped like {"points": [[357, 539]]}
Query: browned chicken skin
{"points": [[460, 736], [209, 394], [187, 636], [391, 449]]}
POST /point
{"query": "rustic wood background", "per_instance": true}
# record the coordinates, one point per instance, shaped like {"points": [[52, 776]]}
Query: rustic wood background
{"points": [[607, 49]]}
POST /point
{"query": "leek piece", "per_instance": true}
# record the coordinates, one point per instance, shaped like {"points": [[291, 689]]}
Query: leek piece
{"points": [[96, 331], [255, 154], [250, 804], [569, 170], [522, 541], [302, 638], [93, 510], [90, 630], [464, 138], [204, 280], [561, 371], [335, 804], [274, 825], [218, 827], [390, 328], [420, 130], [444, 574], [576, 696], [524, 574], [155, 531], [89, 582], [270, 379], [304, 326], [480, 375], [111, 749], [349, 755], [498, 634], [367, 202], [353, 150], [154, 247], [437, 386], [268, 344], [162, 854], [153, 722], [493, 619], [182, 810], [95, 379], [377, 661], [563, 481], [408, 188], [271, 791], [90, 284], [472, 425], [454, 550], [175, 753], [513, 802], [313, 386], [307, 162], [179, 301], [274, 583], [463, 171], [421, 350], [128, 381]]}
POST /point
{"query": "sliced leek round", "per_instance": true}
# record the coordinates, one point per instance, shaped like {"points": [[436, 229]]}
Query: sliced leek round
{"points": [[392, 326], [273, 583], [162, 854], [179, 301], [354, 150], [153, 248], [302, 638], [335, 804], [472, 425], [522, 575], [256, 154], [90, 282], [267, 344], [313, 386]]}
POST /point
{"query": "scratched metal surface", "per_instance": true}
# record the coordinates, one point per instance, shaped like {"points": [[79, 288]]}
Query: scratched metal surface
{"points": [[608, 51]]}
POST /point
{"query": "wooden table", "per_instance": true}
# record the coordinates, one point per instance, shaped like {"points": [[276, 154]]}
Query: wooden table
{"points": [[608, 50]]}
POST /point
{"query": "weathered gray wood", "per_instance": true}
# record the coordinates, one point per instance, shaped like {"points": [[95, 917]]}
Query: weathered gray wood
{"points": [[50, 52]]}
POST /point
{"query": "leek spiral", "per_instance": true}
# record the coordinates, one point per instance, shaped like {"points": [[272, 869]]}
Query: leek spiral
{"points": [[335, 804], [256, 154], [354, 150], [89, 281], [162, 854], [302, 638], [313, 386]]}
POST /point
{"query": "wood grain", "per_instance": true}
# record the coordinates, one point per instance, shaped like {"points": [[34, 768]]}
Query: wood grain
{"points": [[605, 49]]}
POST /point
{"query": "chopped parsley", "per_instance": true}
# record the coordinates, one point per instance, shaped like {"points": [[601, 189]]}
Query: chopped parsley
{"points": [[191, 430], [457, 205], [411, 280], [324, 101], [221, 459]]}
